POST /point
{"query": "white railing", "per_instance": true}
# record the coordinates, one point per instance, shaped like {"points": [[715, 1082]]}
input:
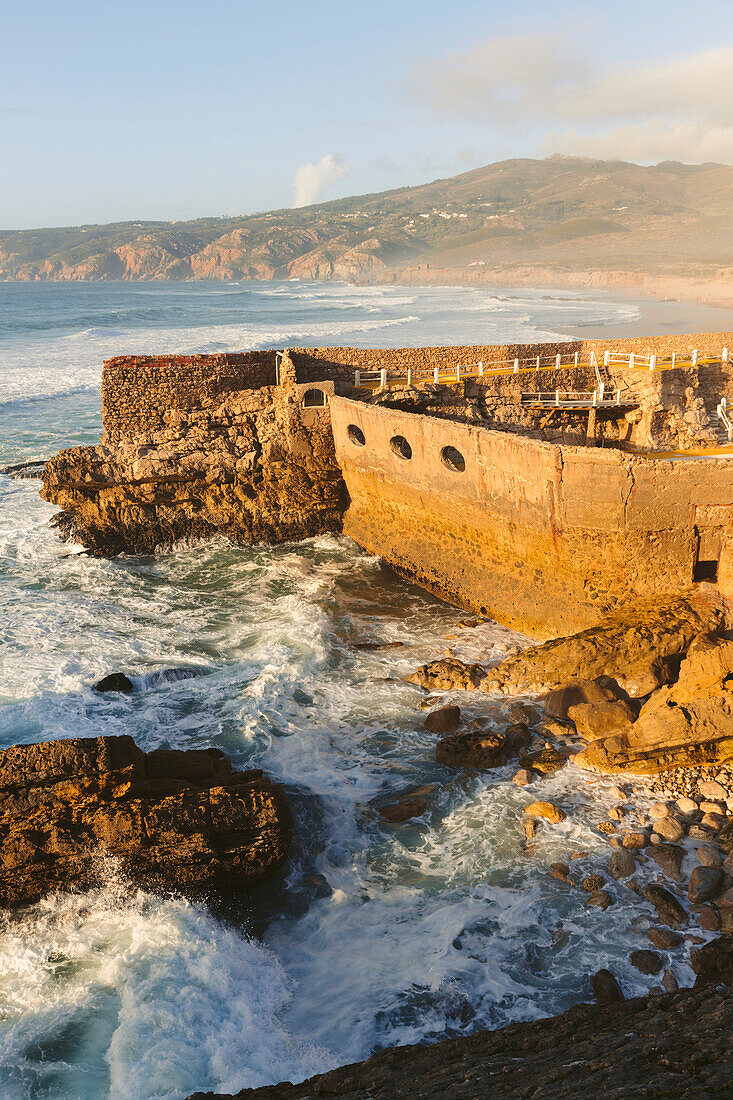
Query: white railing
{"points": [[724, 418], [446, 374], [573, 398]]}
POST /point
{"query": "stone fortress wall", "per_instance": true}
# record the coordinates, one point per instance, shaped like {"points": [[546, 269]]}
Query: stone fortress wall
{"points": [[544, 536]]}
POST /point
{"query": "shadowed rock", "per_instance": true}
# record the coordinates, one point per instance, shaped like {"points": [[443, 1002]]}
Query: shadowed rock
{"points": [[173, 820]]}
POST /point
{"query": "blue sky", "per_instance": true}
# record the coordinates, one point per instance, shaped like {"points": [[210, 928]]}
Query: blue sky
{"points": [[113, 111]]}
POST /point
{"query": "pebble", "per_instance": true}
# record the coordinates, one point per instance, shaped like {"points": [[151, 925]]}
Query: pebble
{"points": [[635, 840], [617, 813], [622, 864], [686, 805], [669, 827], [649, 962], [523, 777], [600, 898], [666, 904], [709, 856], [547, 810], [664, 938], [708, 918], [713, 821], [713, 808], [560, 871], [530, 828], [699, 832], [593, 883], [725, 901], [705, 883], [606, 988], [579, 854], [670, 982], [606, 827], [619, 793], [658, 809], [711, 788]]}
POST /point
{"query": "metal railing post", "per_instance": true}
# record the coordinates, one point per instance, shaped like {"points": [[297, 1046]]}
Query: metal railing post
{"points": [[409, 376], [357, 379], [557, 362], [674, 359], [436, 375], [606, 358], [538, 363], [652, 362], [557, 397], [458, 372], [694, 358], [481, 369], [576, 360], [724, 356], [631, 360], [516, 366], [383, 378]]}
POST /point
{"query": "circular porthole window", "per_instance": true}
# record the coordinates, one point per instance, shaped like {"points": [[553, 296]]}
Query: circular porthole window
{"points": [[400, 446], [453, 459], [356, 435]]}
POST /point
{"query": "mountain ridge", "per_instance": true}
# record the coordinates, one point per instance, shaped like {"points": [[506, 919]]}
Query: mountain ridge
{"points": [[561, 218]]}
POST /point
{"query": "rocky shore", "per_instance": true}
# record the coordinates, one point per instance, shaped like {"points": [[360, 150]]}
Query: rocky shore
{"points": [[669, 1045], [169, 819]]}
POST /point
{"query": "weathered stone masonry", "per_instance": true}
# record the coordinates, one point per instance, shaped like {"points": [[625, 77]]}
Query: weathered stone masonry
{"points": [[544, 535]]}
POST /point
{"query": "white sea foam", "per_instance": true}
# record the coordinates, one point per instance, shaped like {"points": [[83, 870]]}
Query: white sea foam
{"points": [[384, 934]]}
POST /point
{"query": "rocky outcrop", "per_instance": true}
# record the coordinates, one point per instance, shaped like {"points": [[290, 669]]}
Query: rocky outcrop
{"points": [[228, 457], [689, 722], [674, 1044], [637, 648], [184, 821]]}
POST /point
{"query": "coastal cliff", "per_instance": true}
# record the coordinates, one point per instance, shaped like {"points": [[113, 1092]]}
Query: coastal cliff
{"points": [[196, 447]]}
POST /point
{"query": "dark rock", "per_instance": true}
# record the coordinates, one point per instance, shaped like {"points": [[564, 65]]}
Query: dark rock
{"points": [[116, 681], [669, 857], [649, 962], [600, 898], [664, 938], [403, 810], [593, 883], [173, 820], [666, 904], [713, 962], [705, 883], [606, 989], [443, 720], [546, 761], [479, 749], [622, 863], [517, 737], [560, 871]]}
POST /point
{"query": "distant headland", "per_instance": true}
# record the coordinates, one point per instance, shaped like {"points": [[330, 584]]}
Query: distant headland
{"points": [[662, 230]]}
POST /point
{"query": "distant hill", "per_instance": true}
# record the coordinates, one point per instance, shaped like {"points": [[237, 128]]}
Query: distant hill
{"points": [[560, 220]]}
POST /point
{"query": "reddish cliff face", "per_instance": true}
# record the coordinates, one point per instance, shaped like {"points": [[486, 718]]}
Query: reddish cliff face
{"points": [[190, 450]]}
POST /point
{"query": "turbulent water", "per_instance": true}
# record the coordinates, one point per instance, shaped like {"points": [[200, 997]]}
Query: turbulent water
{"points": [[374, 935]]}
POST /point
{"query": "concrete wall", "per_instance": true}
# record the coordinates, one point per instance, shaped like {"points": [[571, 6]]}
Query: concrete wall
{"points": [[542, 537]]}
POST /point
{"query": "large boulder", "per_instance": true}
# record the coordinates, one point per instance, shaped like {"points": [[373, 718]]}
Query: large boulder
{"points": [[684, 724], [171, 819]]}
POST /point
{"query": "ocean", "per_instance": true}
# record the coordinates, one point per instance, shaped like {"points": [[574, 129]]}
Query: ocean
{"points": [[374, 934]]}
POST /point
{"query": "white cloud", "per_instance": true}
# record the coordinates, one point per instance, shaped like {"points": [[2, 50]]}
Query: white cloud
{"points": [[312, 179], [681, 108]]}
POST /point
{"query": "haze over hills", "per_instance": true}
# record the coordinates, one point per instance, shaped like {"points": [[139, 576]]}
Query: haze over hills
{"points": [[559, 221]]}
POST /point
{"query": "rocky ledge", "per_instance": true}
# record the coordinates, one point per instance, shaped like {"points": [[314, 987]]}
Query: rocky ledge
{"points": [[648, 690], [183, 821], [675, 1044]]}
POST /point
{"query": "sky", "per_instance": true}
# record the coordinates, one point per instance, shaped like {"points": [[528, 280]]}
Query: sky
{"points": [[119, 110]]}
